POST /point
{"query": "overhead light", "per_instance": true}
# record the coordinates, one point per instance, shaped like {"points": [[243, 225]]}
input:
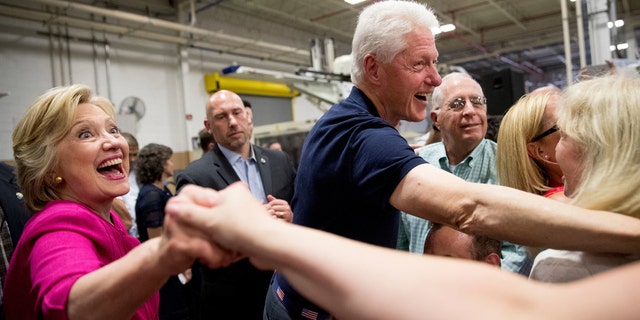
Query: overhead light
{"points": [[443, 28], [353, 1], [621, 46], [618, 24], [447, 27]]}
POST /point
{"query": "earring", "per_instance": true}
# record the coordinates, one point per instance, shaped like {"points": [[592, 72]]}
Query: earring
{"points": [[58, 180], [546, 156]]}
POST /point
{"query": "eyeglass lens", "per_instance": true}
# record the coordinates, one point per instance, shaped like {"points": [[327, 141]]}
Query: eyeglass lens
{"points": [[459, 103]]}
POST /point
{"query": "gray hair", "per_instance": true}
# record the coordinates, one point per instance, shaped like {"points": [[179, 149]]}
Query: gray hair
{"points": [[381, 31]]}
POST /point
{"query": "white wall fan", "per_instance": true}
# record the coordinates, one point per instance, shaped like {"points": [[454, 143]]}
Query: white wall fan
{"points": [[133, 106]]}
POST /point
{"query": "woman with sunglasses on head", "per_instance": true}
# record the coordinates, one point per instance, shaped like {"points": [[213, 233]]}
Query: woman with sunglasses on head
{"points": [[598, 154], [526, 157]]}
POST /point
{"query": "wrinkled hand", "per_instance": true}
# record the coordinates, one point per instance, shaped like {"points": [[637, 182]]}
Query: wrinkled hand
{"points": [[279, 208]]}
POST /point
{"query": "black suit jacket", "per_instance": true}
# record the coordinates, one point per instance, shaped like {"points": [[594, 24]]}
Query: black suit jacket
{"points": [[15, 211], [236, 291]]}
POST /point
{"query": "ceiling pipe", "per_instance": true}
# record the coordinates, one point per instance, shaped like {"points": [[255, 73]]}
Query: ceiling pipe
{"points": [[493, 53], [159, 37], [567, 44], [580, 23], [192, 13], [307, 24], [170, 25]]}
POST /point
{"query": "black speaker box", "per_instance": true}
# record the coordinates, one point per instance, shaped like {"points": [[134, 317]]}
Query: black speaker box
{"points": [[502, 90]]}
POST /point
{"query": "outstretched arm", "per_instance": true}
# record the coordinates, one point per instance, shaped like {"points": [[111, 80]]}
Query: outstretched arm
{"points": [[354, 280], [118, 289], [512, 215]]}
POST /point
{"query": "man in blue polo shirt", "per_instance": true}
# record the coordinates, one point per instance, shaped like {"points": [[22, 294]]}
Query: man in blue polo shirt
{"points": [[354, 158]]}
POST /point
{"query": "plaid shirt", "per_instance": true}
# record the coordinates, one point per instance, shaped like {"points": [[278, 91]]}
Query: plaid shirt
{"points": [[479, 167]]}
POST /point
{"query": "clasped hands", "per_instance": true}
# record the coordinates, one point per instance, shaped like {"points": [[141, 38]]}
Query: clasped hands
{"points": [[218, 227]]}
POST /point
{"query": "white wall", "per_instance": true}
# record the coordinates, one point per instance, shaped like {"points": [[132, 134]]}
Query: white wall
{"points": [[172, 88]]}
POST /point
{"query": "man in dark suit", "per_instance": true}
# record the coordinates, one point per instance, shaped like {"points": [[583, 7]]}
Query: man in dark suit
{"points": [[14, 215], [237, 291]]}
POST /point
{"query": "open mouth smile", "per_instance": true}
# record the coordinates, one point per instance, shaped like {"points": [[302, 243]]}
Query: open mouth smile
{"points": [[112, 168]]}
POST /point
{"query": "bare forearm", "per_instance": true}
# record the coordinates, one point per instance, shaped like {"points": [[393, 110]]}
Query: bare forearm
{"points": [[533, 220], [512, 215], [344, 276], [118, 289], [354, 280]]}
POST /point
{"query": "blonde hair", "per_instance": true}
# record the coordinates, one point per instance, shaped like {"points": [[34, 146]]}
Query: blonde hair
{"points": [[601, 115], [47, 121], [519, 125]]}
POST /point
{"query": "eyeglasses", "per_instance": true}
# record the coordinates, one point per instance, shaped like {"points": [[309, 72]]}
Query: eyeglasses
{"points": [[458, 103], [546, 133]]}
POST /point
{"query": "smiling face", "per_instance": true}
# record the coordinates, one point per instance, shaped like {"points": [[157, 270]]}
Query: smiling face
{"points": [[406, 82], [468, 126], [93, 160]]}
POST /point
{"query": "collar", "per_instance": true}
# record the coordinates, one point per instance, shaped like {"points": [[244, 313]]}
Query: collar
{"points": [[233, 157], [469, 159]]}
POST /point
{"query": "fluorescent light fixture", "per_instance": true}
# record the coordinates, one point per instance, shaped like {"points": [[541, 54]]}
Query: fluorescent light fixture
{"points": [[621, 46], [618, 24], [443, 28], [353, 1], [447, 27]]}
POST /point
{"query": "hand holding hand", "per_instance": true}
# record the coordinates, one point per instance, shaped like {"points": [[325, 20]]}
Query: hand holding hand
{"points": [[225, 220]]}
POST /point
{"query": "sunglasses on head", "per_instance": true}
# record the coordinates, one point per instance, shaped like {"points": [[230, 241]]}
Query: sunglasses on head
{"points": [[546, 133]]}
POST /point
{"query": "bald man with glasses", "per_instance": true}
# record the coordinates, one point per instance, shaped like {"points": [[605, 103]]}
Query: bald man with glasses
{"points": [[460, 113]]}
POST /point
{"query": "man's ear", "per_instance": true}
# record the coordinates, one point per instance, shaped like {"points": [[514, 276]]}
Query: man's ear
{"points": [[371, 69], [493, 258], [207, 125], [434, 118]]}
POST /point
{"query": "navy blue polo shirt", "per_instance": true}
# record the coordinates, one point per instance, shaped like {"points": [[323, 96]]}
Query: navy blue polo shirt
{"points": [[351, 162]]}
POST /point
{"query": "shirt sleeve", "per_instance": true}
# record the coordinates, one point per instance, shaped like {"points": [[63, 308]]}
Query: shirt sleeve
{"points": [[382, 159], [59, 260]]}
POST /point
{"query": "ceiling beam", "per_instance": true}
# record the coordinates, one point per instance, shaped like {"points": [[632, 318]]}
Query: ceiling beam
{"points": [[251, 8], [504, 8]]}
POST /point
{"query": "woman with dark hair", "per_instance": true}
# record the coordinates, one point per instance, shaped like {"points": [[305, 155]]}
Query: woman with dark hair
{"points": [[154, 166]]}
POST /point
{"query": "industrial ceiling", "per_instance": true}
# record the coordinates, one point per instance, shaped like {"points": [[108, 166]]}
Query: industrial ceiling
{"points": [[491, 34]]}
